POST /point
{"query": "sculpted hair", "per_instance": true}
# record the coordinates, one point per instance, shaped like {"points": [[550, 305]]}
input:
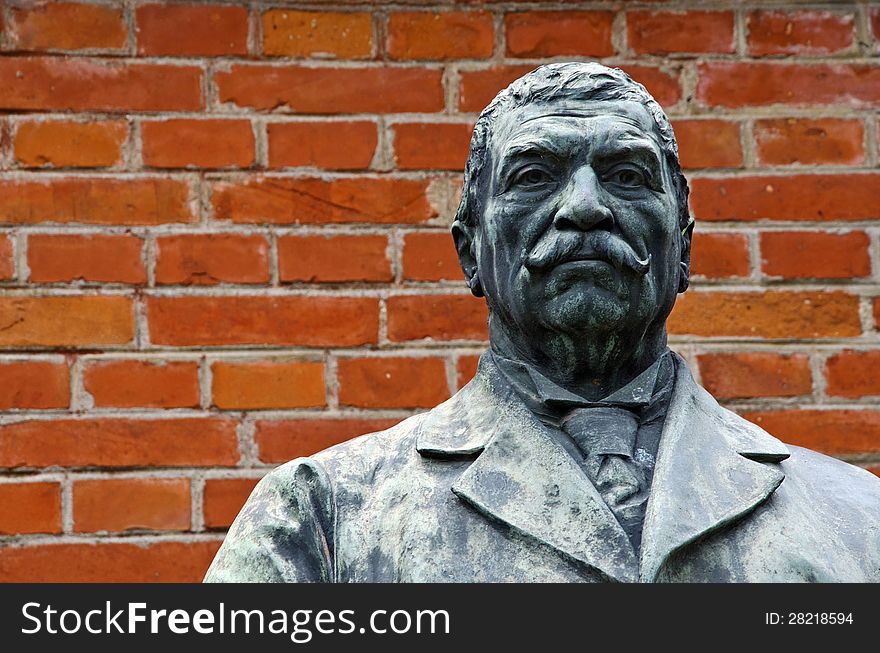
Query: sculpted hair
{"points": [[569, 81]]}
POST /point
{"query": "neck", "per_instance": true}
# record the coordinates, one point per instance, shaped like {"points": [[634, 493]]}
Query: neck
{"points": [[592, 367]]}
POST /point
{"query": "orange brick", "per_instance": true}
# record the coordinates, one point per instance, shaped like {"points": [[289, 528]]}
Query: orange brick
{"points": [[67, 26], [769, 314], [224, 498], [278, 320], [853, 374], [708, 143], [30, 508], [143, 384], [210, 30], [78, 84], [268, 384], [330, 145], [720, 256], [293, 201], [392, 382], [834, 432], [798, 32], [324, 90], [664, 32], [283, 440], [62, 321], [439, 317], [209, 259], [94, 257], [34, 384], [70, 144], [116, 562], [7, 260], [534, 34], [96, 200], [466, 369], [815, 255], [431, 146], [320, 34], [785, 141], [430, 256], [440, 35], [184, 143], [119, 442], [755, 374], [333, 258], [122, 504]]}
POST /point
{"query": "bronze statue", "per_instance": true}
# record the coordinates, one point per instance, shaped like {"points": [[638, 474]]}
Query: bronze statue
{"points": [[583, 450]]}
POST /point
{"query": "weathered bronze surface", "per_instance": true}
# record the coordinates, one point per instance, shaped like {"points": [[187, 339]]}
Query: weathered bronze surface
{"points": [[583, 450]]}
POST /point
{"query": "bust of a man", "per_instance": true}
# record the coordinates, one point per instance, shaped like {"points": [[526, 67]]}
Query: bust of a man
{"points": [[583, 450]]}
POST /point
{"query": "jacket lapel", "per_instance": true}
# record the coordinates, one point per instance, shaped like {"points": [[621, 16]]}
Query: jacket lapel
{"points": [[710, 473]]}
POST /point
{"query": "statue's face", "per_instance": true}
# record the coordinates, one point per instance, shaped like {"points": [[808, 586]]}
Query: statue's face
{"points": [[579, 232]]}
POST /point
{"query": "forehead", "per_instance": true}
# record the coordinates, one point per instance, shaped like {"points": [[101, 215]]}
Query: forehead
{"points": [[575, 123]]}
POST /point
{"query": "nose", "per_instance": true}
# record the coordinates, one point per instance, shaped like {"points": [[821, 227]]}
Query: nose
{"points": [[582, 206]]}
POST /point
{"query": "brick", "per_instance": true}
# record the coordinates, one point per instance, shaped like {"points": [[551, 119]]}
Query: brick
{"points": [[65, 321], [30, 508], [466, 369], [268, 384], [720, 255], [874, 20], [329, 145], [478, 87], [708, 143], [84, 200], [333, 258], [283, 440], [440, 35], [784, 141], [119, 442], [392, 382], [798, 32], [439, 317], [275, 320], [877, 311], [224, 498], [431, 146], [834, 432], [116, 562], [67, 26], [755, 374], [331, 90], [769, 314], [209, 259], [534, 34], [740, 84], [815, 255], [430, 256], [142, 384], [378, 200], [665, 32], [320, 34], [34, 384], [93, 257], [70, 144], [7, 258], [183, 30], [123, 504], [853, 374], [57, 84], [184, 143], [821, 197]]}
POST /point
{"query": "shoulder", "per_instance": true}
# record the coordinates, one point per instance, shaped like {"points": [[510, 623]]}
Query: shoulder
{"points": [[838, 484]]}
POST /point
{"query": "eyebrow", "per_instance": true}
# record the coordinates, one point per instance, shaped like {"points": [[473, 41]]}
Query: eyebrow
{"points": [[622, 146]]}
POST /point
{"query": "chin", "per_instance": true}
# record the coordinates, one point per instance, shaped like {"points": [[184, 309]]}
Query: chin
{"points": [[596, 313]]}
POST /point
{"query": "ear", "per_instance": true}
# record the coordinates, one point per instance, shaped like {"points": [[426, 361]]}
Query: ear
{"points": [[465, 237], [685, 263]]}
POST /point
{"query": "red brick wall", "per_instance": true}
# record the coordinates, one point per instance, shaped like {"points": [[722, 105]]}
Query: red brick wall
{"points": [[224, 239]]}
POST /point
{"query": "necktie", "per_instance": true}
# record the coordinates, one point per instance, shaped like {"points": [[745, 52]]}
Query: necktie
{"points": [[606, 435]]}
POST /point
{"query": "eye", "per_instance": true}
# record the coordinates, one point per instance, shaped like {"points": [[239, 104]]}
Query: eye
{"points": [[532, 176], [627, 177]]}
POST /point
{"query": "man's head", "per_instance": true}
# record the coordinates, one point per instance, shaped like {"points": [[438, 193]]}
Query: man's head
{"points": [[574, 218]]}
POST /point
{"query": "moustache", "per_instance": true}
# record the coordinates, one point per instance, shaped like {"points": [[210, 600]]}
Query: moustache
{"points": [[577, 246]]}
